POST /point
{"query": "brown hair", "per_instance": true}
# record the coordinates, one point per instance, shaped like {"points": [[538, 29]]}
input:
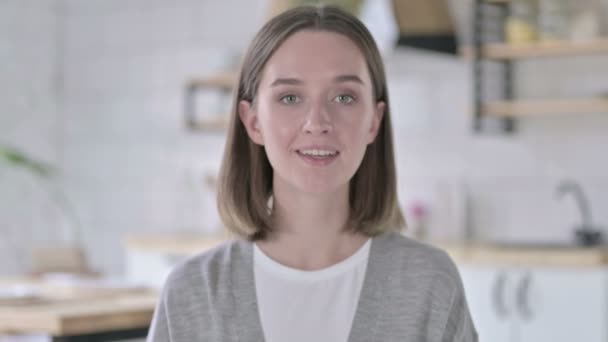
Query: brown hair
{"points": [[245, 180]]}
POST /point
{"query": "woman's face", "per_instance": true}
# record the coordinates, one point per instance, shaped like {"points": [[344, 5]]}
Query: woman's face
{"points": [[314, 112]]}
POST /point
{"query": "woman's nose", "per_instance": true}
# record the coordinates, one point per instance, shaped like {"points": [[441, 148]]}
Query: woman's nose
{"points": [[318, 120]]}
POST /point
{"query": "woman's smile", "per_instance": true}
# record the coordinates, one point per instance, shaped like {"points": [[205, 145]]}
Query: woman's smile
{"points": [[318, 156]]}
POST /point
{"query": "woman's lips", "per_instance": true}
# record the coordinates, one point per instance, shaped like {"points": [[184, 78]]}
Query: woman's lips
{"points": [[315, 160]]}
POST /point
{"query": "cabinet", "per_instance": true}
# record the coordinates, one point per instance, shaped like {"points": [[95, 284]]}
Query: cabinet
{"points": [[494, 96], [485, 290], [536, 304]]}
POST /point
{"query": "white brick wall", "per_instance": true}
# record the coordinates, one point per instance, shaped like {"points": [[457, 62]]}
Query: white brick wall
{"points": [[131, 167], [29, 121]]}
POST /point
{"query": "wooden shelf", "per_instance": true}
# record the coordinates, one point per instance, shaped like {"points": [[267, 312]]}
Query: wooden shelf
{"points": [[522, 108], [502, 51], [552, 49], [221, 123], [225, 80]]}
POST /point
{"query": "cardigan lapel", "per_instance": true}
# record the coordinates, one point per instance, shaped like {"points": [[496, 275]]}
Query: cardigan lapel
{"points": [[369, 308], [248, 326]]}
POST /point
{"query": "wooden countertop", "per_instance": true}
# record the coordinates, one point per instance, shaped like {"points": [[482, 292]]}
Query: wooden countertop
{"points": [[488, 254], [63, 310]]}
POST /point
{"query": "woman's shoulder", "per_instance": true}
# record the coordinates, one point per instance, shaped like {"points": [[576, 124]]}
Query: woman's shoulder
{"points": [[212, 267], [198, 293], [415, 257]]}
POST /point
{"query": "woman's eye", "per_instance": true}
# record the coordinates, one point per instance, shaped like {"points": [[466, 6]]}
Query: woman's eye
{"points": [[289, 99], [346, 99]]}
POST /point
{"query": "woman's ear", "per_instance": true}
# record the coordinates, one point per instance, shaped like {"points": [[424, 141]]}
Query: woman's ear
{"points": [[249, 117], [376, 121]]}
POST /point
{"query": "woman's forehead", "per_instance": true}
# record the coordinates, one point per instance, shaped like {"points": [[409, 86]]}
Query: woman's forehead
{"points": [[316, 55]]}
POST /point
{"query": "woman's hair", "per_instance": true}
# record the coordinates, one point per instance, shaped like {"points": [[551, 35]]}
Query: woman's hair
{"points": [[245, 179]]}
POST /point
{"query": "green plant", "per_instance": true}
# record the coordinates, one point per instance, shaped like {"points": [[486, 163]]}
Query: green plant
{"points": [[16, 158], [47, 174]]}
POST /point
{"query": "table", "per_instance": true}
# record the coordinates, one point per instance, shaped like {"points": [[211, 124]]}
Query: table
{"points": [[73, 314]]}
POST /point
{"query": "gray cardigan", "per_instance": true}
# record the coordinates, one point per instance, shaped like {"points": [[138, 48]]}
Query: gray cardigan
{"points": [[411, 292]]}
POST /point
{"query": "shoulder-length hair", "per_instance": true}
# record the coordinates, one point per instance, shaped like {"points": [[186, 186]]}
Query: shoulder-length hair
{"points": [[245, 179]]}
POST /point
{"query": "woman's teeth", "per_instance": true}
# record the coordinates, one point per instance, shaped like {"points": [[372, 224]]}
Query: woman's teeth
{"points": [[318, 153]]}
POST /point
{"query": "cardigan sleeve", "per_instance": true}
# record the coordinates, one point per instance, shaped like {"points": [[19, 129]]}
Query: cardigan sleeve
{"points": [[459, 326], [159, 328]]}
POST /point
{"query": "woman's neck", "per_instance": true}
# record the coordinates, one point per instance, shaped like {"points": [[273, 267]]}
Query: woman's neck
{"points": [[311, 230]]}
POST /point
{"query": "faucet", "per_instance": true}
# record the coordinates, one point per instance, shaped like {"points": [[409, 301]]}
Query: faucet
{"points": [[586, 233]]}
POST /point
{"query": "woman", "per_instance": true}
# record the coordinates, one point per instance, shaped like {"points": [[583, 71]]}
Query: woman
{"points": [[308, 184]]}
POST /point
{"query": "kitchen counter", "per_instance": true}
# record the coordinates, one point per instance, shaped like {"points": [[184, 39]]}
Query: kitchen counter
{"points": [[183, 244], [76, 312], [526, 255]]}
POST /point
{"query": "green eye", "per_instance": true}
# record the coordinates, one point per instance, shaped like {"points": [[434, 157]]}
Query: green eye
{"points": [[289, 99], [346, 99]]}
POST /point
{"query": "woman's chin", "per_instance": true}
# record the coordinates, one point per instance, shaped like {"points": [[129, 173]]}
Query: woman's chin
{"points": [[321, 187]]}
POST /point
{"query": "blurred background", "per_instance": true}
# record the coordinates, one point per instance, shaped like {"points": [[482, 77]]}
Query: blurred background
{"points": [[112, 126]]}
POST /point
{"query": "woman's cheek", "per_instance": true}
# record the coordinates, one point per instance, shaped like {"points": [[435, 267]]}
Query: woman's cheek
{"points": [[351, 115]]}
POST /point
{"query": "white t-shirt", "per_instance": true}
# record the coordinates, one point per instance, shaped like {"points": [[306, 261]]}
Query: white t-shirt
{"points": [[298, 305]]}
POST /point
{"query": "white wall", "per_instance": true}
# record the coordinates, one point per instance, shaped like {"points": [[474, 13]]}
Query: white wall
{"points": [[130, 164], [29, 120], [511, 178], [131, 167]]}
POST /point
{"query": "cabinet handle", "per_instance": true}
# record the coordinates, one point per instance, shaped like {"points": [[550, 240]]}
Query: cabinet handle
{"points": [[523, 297], [498, 296]]}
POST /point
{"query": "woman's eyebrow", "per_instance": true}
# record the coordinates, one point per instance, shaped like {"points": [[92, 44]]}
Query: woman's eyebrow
{"points": [[348, 78], [295, 81], [286, 81]]}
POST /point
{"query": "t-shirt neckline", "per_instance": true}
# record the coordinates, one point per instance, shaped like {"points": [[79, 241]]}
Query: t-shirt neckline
{"points": [[268, 264]]}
